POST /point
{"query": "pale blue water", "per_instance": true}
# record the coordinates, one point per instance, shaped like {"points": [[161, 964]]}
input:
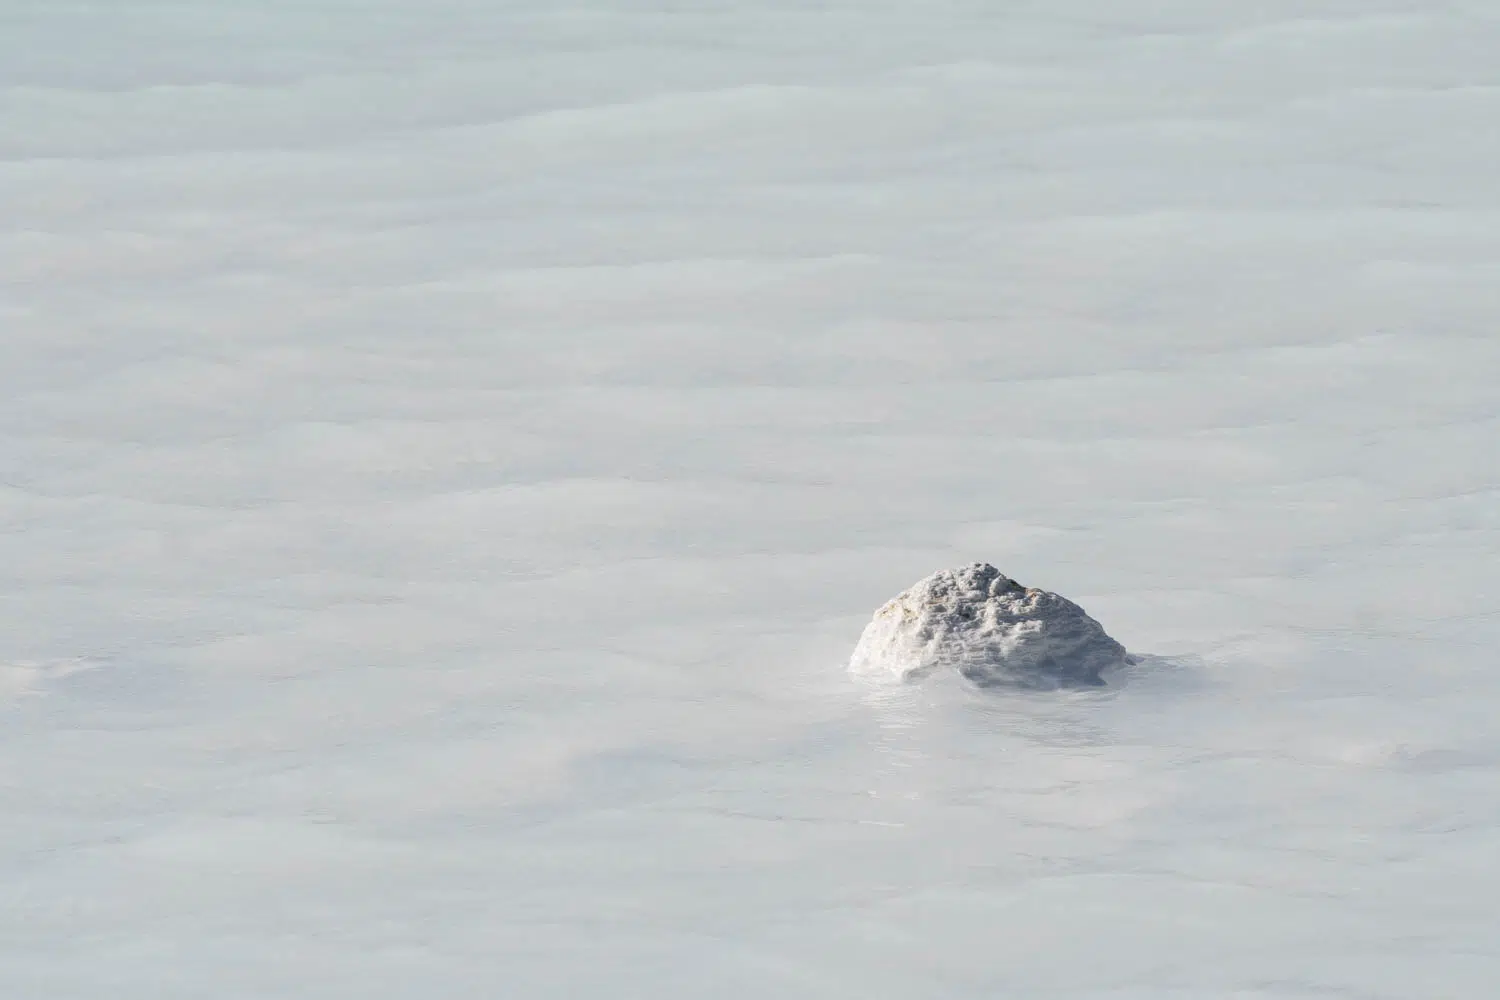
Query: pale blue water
{"points": [[448, 451]]}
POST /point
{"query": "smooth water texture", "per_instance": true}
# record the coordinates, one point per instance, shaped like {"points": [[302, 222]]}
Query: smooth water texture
{"points": [[449, 450]]}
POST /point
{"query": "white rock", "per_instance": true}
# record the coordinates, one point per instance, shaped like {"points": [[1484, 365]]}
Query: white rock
{"points": [[990, 629]]}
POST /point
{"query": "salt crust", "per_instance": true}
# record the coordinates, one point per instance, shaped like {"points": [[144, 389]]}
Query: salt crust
{"points": [[989, 628]]}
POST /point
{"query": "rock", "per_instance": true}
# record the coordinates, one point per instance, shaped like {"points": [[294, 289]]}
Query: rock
{"points": [[990, 629]]}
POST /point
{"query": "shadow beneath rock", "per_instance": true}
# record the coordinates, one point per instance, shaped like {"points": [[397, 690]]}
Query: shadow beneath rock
{"points": [[1148, 672]]}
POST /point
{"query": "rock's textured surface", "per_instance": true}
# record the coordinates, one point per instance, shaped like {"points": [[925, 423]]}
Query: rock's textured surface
{"points": [[989, 628]]}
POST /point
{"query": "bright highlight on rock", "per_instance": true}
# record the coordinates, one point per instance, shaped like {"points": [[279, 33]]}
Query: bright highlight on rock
{"points": [[989, 628]]}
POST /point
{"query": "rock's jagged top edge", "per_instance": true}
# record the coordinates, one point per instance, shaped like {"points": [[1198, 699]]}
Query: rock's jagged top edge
{"points": [[975, 576]]}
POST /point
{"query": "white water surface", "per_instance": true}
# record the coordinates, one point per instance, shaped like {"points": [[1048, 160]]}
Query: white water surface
{"points": [[448, 451]]}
